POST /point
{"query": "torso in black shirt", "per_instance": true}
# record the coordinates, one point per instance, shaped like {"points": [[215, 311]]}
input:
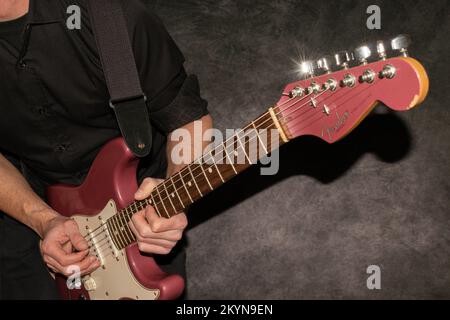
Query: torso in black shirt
{"points": [[54, 112]]}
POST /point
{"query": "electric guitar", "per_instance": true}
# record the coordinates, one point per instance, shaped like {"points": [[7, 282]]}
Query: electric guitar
{"points": [[327, 104]]}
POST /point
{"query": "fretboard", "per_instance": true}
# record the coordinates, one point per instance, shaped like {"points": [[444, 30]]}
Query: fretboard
{"points": [[205, 174]]}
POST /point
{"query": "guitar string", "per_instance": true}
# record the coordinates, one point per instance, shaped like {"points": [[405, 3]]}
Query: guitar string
{"points": [[343, 95], [221, 144], [250, 139], [284, 116], [224, 158], [121, 212]]}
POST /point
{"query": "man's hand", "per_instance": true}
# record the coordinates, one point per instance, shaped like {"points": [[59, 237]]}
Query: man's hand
{"points": [[64, 246], [153, 233]]}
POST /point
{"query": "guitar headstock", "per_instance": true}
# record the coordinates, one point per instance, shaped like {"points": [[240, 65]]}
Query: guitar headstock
{"points": [[333, 103]]}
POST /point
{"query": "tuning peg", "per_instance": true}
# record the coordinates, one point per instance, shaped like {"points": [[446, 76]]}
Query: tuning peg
{"points": [[401, 43], [362, 54], [342, 59], [307, 68], [324, 64], [381, 50]]}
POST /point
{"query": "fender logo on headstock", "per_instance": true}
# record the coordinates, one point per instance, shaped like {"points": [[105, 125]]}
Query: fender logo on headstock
{"points": [[330, 131]]}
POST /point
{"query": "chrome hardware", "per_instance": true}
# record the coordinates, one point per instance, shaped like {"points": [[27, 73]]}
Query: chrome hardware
{"points": [[326, 110], [324, 64], [330, 84], [307, 68], [401, 43], [388, 72], [367, 76], [313, 103], [362, 54], [349, 80], [296, 92], [342, 59], [381, 50], [315, 87]]}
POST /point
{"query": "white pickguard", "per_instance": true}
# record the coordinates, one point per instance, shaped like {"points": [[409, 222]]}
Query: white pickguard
{"points": [[114, 279]]}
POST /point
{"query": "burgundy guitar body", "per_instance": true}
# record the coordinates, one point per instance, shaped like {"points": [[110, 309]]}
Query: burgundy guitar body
{"points": [[112, 177]]}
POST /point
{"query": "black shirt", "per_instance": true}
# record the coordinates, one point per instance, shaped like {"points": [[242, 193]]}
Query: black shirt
{"points": [[54, 112]]}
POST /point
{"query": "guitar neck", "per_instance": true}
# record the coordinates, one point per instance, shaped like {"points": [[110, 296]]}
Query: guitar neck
{"points": [[215, 167]]}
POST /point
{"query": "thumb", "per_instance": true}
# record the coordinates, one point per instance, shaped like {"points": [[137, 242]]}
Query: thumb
{"points": [[78, 242]]}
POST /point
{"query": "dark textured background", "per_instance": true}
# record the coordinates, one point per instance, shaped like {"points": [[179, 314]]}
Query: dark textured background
{"points": [[381, 196]]}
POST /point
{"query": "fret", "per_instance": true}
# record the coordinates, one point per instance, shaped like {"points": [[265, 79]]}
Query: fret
{"points": [[125, 229], [116, 233], [170, 199], [184, 185], [120, 231], [259, 138], [162, 201], [206, 177], [176, 192], [231, 161], [110, 231], [154, 205], [128, 213], [242, 146], [217, 168], [195, 182]]}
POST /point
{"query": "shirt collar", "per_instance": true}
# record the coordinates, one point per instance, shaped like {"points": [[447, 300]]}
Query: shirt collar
{"points": [[44, 11]]}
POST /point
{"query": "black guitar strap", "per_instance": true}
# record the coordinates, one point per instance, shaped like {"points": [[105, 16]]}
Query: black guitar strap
{"points": [[126, 96]]}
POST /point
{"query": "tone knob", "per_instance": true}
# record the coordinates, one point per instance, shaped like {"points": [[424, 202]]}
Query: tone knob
{"points": [[381, 50], [342, 59], [324, 64], [401, 43], [362, 54]]}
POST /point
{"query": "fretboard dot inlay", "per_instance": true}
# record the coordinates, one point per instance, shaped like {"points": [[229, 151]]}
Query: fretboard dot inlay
{"points": [[190, 184], [210, 170], [172, 195]]}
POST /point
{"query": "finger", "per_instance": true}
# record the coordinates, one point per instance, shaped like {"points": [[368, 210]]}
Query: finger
{"points": [[171, 235], [146, 187], [140, 225], [150, 248], [75, 236], [55, 266], [84, 266], [55, 251], [92, 267], [157, 224]]}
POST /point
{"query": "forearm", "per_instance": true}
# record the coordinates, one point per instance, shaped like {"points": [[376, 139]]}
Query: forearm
{"points": [[19, 201], [206, 123]]}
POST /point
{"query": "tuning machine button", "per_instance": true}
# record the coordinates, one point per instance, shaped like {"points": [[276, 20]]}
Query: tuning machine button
{"points": [[324, 64], [342, 59], [401, 43], [307, 68], [362, 54], [381, 50]]}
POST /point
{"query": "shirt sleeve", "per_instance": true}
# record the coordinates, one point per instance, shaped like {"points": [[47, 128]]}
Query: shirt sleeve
{"points": [[173, 97]]}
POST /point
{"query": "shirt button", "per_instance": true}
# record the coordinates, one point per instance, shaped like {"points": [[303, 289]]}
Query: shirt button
{"points": [[22, 64], [61, 147]]}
